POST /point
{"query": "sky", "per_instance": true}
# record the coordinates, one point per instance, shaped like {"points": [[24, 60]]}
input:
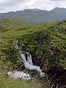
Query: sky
{"points": [[14, 5]]}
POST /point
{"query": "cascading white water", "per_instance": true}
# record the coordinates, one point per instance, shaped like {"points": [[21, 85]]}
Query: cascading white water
{"points": [[29, 58], [19, 74], [28, 65]]}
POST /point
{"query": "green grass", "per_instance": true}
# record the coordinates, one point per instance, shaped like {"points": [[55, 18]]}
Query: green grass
{"points": [[9, 24], [50, 38], [6, 82], [52, 34]]}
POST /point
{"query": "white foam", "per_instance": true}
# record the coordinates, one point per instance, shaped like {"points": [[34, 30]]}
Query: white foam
{"points": [[29, 64], [19, 74]]}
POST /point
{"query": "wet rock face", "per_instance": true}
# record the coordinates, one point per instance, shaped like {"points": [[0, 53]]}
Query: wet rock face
{"points": [[40, 60], [37, 58]]}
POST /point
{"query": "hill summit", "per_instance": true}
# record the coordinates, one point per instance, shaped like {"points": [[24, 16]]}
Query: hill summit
{"points": [[36, 15]]}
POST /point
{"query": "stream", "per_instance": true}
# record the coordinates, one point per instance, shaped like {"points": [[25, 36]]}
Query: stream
{"points": [[28, 63]]}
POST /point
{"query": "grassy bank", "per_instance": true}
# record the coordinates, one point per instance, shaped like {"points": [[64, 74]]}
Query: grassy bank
{"points": [[6, 82]]}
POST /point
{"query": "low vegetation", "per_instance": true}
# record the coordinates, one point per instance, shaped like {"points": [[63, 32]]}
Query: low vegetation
{"points": [[46, 42]]}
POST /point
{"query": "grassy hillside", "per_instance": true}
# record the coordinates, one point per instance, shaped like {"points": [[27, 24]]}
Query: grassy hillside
{"points": [[8, 24], [46, 42], [6, 82], [49, 38]]}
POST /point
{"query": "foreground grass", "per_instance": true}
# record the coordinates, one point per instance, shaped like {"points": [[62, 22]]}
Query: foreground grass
{"points": [[6, 82]]}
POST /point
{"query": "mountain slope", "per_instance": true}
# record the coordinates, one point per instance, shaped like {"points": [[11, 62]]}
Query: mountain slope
{"points": [[46, 42], [9, 24], [36, 15], [47, 45]]}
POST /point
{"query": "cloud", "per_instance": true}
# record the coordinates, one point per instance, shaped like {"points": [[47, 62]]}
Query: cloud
{"points": [[10, 2], [14, 5], [58, 0]]}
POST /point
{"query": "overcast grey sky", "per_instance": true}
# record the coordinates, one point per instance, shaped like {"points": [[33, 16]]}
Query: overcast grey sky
{"points": [[14, 5]]}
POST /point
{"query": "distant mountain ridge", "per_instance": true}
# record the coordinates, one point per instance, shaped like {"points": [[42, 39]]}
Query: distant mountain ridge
{"points": [[36, 15]]}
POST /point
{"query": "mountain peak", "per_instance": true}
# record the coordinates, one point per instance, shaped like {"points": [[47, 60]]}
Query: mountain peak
{"points": [[57, 8], [36, 15]]}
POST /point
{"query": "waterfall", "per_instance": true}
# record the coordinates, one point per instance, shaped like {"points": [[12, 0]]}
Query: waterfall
{"points": [[27, 61], [29, 58]]}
